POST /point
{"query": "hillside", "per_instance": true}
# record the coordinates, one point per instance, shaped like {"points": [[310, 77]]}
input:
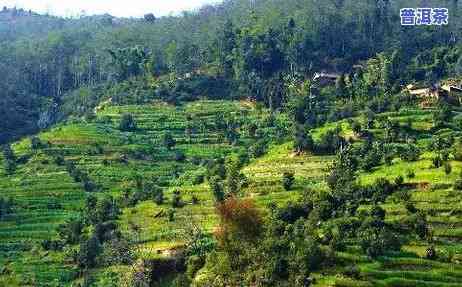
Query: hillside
{"points": [[45, 195]]}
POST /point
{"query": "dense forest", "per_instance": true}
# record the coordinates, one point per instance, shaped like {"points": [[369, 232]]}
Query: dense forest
{"points": [[247, 143], [55, 67]]}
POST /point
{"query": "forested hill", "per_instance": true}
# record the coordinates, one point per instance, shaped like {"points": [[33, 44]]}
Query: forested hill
{"points": [[52, 67]]}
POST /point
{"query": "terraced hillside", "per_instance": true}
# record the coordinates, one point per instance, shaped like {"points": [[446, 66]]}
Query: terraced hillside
{"points": [[45, 195], [429, 189]]}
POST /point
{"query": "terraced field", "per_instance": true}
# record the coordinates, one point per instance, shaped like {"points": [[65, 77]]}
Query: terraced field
{"points": [[45, 195]]}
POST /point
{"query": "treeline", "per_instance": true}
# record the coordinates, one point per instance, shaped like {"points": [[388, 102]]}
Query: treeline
{"points": [[262, 49]]}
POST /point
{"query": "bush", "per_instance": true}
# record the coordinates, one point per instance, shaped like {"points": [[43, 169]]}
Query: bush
{"points": [[53, 245], [430, 253], [352, 271], [437, 161], [356, 127], [258, 149], [399, 180], [194, 264], [447, 168], [458, 184], [168, 141], [159, 197], [89, 186], [410, 174], [127, 124], [411, 207], [171, 214], [180, 156], [371, 160], [36, 143], [388, 159], [177, 201], [59, 160], [410, 153], [217, 189], [89, 250], [288, 180], [194, 199]]}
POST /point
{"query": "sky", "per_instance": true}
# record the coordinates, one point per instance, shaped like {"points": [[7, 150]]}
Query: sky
{"points": [[119, 8]]}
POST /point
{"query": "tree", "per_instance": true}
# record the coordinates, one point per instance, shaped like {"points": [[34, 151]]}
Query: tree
{"points": [[447, 168], [150, 17], [9, 159], [303, 140], [216, 185], [232, 176], [130, 61], [88, 252], [288, 180], [177, 201], [36, 143], [127, 123], [356, 127], [442, 115], [239, 220], [71, 231], [6, 207], [168, 140], [159, 196]]}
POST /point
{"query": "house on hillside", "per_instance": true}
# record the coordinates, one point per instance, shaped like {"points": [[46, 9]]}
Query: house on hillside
{"points": [[430, 95], [325, 79]]}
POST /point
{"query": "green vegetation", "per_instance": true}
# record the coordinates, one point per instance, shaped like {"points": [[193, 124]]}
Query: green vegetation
{"points": [[208, 149]]}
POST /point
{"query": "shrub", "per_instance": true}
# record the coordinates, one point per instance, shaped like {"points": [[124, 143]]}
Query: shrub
{"points": [[303, 140], [89, 186], [194, 264], [239, 219], [411, 207], [437, 161], [403, 195], [171, 214], [159, 197], [53, 245], [458, 184], [180, 156], [59, 160], [217, 189], [421, 225], [399, 180], [194, 199], [6, 207], [36, 143], [388, 159], [258, 149], [177, 201], [458, 155], [410, 153], [168, 141], [410, 174], [356, 127], [127, 123], [89, 250], [288, 180], [371, 160], [352, 271], [198, 179], [430, 253], [447, 168]]}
